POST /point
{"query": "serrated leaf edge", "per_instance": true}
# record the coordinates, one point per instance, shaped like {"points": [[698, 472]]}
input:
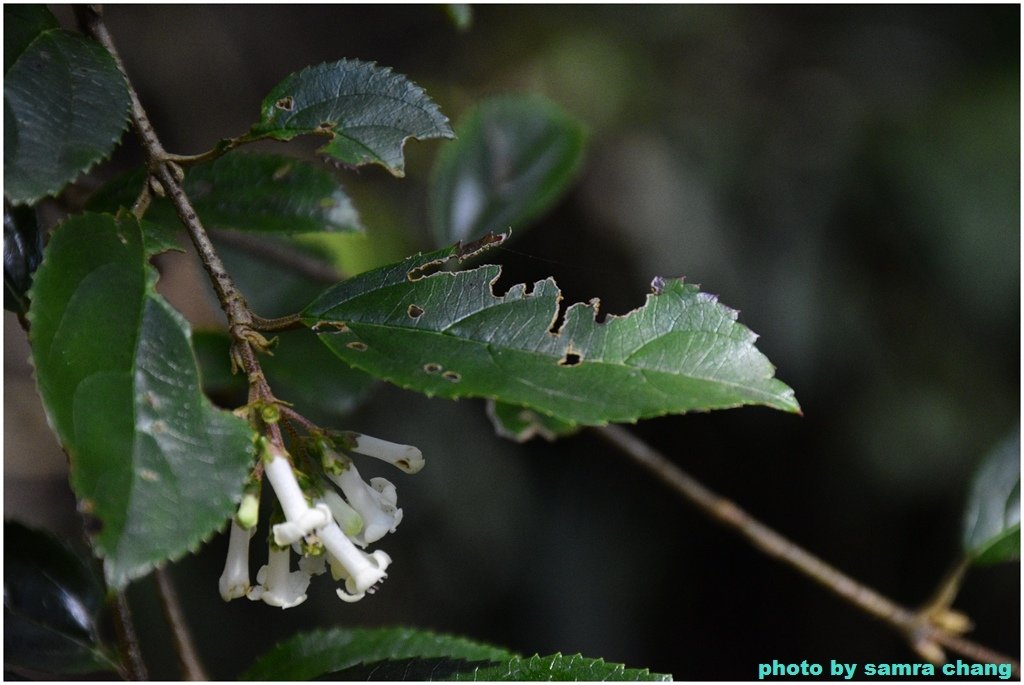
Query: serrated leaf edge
{"points": [[255, 132], [99, 160], [424, 262]]}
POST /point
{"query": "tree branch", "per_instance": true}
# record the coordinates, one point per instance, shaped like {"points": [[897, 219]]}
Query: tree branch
{"points": [[916, 625], [127, 639], [240, 318], [191, 666]]}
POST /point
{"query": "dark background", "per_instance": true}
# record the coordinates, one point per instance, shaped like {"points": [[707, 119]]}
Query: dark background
{"points": [[847, 177]]}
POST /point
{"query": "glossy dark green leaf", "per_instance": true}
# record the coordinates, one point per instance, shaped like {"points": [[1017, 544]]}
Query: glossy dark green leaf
{"points": [[23, 251], [549, 668], [521, 424], [65, 107], [992, 518], [367, 112], [314, 654], [513, 158], [246, 192], [119, 382], [52, 603], [22, 23], [301, 371], [448, 334]]}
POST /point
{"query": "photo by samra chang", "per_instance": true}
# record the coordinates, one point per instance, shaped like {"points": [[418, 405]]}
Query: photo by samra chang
{"points": [[954, 669]]}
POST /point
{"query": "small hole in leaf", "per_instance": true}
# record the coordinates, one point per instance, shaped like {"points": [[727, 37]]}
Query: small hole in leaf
{"points": [[570, 359], [432, 368], [356, 345], [451, 376], [325, 126], [415, 311], [286, 103]]}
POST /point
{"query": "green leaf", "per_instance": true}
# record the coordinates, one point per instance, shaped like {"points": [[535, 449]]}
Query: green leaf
{"points": [[65, 107], [549, 668], [367, 111], [158, 238], [558, 667], [448, 334], [118, 380], [22, 23], [23, 250], [521, 424], [246, 192], [992, 518], [52, 604], [513, 158], [313, 654]]}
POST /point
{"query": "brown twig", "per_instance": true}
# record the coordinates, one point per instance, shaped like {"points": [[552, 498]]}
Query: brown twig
{"points": [[127, 638], [240, 318], [188, 656], [916, 625]]}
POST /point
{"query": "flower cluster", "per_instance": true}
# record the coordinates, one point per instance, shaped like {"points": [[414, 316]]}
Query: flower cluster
{"points": [[327, 529]]}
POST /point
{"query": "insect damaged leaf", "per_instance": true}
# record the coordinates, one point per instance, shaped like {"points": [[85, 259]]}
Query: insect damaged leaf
{"points": [[367, 112], [446, 333]]}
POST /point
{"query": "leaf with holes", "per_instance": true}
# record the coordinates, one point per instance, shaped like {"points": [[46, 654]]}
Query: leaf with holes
{"points": [[118, 379], [307, 656], [446, 333], [246, 192], [52, 605], [65, 107], [992, 518], [367, 112], [513, 158]]}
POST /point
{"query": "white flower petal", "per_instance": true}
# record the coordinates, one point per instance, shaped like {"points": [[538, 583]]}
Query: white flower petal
{"points": [[405, 457], [234, 581]]}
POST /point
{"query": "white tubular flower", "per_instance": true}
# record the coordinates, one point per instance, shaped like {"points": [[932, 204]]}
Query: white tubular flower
{"points": [[348, 519], [234, 581], [380, 515], [308, 522], [300, 519], [405, 457], [286, 487], [279, 586], [363, 570]]}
